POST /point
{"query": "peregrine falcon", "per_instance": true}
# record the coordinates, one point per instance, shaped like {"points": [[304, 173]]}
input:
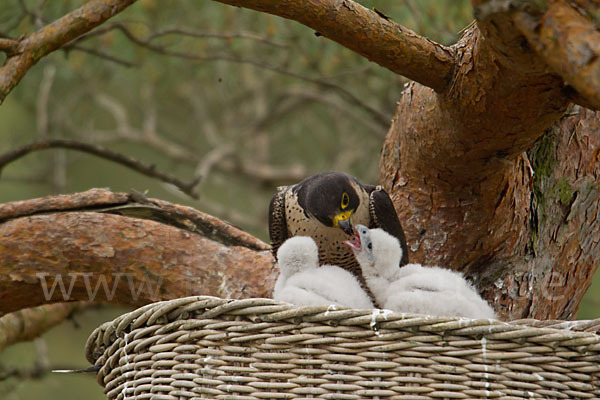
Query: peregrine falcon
{"points": [[324, 207]]}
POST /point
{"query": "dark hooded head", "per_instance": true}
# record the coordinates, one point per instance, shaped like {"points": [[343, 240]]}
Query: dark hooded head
{"points": [[331, 198]]}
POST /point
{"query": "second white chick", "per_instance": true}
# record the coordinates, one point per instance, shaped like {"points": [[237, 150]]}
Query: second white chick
{"points": [[303, 282], [413, 288]]}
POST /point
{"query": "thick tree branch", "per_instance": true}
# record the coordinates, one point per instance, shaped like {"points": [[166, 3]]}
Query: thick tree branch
{"points": [[139, 166], [137, 205], [367, 33], [37, 45], [102, 257], [130, 261], [92, 198], [569, 42]]}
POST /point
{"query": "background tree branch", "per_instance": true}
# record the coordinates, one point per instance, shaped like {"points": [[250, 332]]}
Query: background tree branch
{"points": [[29, 323], [381, 118], [368, 33], [102, 152], [32, 48]]}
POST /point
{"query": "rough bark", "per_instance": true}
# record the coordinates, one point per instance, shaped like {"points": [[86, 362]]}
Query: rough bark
{"points": [[564, 250], [455, 165], [451, 160], [569, 41], [109, 257]]}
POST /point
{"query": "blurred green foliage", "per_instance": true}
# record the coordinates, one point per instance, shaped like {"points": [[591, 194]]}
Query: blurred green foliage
{"points": [[272, 96], [280, 97]]}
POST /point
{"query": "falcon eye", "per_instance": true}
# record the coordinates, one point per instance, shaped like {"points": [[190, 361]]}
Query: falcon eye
{"points": [[345, 200]]}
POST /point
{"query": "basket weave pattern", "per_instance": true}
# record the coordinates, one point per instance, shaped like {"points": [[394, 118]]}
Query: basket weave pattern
{"points": [[206, 347]]}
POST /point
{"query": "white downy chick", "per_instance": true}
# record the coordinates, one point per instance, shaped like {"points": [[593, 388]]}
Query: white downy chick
{"points": [[413, 288], [378, 254], [303, 282], [436, 291]]}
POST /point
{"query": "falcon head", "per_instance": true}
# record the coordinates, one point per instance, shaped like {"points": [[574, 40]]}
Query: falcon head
{"points": [[331, 198]]}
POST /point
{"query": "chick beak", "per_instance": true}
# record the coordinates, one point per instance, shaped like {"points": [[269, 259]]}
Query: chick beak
{"points": [[354, 243], [346, 226]]}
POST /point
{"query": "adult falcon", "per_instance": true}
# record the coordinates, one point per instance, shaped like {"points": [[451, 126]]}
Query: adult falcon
{"points": [[324, 207]]}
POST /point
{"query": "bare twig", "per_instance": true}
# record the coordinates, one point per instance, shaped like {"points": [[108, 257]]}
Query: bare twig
{"points": [[101, 54], [267, 173], [374, 126], [34, 13], [57, 168], [141, 167], [37, 371], [42, 102], [214, 157], [212, 35], [263, 173], [178, 31], [380, 117]]}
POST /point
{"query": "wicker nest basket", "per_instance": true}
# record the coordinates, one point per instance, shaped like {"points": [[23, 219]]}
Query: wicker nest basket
{"points": [[206, 347]]}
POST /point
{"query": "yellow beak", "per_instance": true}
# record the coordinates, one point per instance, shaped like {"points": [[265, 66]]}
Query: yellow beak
{"points": [[342, 217]]}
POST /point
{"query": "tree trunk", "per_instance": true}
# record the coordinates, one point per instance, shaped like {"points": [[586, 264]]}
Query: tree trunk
{"points": [[520, 225]]}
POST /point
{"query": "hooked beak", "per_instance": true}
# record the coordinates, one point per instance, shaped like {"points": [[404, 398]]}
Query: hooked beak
{"points": [[342, 221], [346, 226]]}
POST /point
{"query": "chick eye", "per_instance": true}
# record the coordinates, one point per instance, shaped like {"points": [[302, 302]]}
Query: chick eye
{"points": [[345, 200]]}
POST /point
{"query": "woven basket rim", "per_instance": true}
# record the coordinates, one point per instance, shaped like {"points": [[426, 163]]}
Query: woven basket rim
{"points": [[582, 334]]}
